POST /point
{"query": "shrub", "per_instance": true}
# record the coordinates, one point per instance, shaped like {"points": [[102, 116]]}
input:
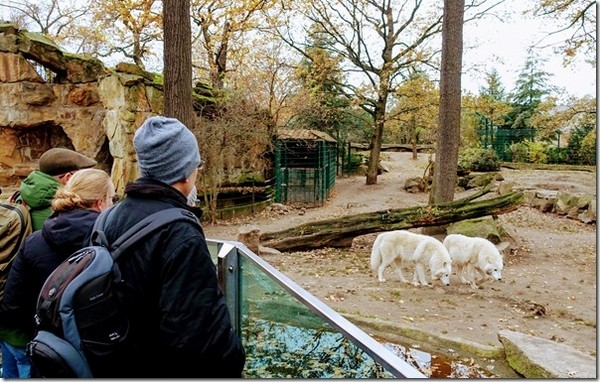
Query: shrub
{"points": [[574, 147], [478, 159], [537, 152], [356, 159], [587, 153], [529, 152], [353, 162], [519, 152], [556, 154]]}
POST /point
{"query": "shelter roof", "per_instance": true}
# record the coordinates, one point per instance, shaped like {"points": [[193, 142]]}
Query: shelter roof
{"points": [[305, 134]]}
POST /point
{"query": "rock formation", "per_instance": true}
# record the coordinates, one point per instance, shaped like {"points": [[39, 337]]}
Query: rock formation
{"points": [[53, 99]]}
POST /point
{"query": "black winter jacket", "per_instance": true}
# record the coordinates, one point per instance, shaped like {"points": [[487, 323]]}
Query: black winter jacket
{"points": [[62, 234], [180, 325]]}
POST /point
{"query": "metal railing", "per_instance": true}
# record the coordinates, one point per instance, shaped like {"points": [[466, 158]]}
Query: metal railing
{"points": [[289, 333]]}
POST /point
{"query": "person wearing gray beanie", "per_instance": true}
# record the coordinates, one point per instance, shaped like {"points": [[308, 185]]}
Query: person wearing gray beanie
{"points": [[166, 149], [179, 320]]}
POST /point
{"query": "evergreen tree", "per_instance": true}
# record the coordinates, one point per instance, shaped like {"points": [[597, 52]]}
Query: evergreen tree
{"points": [[494, 91], [492, 106], [321, 75], [531, 86]]}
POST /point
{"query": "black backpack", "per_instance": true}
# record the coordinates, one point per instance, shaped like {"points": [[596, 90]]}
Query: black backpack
{"points": [[79, 313]]}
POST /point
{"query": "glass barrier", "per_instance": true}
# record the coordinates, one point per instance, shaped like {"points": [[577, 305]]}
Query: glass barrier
{"points": [[289, 333]]}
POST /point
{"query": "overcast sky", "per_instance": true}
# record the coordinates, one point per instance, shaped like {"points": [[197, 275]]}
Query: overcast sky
{"points": [[503, 45]]}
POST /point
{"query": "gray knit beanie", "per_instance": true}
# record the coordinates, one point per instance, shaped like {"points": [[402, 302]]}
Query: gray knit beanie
{"points": [[166, 150]]}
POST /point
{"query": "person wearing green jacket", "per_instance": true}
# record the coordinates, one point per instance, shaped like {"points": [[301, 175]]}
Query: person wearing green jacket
{"points": [[57, 165], [75, 209]]}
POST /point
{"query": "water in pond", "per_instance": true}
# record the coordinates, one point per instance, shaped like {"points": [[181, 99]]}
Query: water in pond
{"points": [[435, 366]]}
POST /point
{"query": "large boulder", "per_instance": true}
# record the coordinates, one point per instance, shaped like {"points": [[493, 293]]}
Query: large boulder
{"points": [[565, 202]]}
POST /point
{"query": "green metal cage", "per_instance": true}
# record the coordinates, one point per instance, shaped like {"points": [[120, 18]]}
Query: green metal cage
{"points": [[305, 167], [500, 139]]}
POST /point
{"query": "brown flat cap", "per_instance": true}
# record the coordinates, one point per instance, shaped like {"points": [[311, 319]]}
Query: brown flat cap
{"points": [[57, 161]]}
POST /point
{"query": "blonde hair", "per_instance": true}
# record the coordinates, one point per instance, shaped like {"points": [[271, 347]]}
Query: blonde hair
{"points": [[83, 189]]}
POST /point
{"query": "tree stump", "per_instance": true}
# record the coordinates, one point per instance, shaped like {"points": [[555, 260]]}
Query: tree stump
{"points": [[250, 236]]}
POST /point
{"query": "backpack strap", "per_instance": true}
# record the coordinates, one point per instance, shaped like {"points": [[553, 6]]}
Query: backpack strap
{"points": [[139, 230], [16, 195], [98, 237]]}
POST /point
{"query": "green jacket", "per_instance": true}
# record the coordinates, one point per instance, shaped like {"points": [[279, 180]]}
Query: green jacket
{"points": [[37, 190], [14, 337]]}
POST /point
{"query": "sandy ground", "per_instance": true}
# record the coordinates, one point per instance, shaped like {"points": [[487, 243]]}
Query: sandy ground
{"points": [[549, 278]]}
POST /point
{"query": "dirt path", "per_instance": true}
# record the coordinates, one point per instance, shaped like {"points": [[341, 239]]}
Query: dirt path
{"points": [[350, 196], [549, 279]]}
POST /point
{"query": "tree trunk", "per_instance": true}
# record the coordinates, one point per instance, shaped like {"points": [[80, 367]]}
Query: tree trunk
{"points": [[413, 128], [221, 58], [178, 61], [379, 115], [373, 168], [341, 231], [446, 154]]}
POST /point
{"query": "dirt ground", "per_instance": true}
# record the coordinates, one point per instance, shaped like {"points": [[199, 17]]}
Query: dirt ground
{"points": [[549, 278]]}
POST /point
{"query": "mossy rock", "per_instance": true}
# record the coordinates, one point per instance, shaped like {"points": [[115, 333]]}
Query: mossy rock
{"points": [[480, 180], [250, 177], [125, 67], [41, 39], [486, 227], [7, 26]]}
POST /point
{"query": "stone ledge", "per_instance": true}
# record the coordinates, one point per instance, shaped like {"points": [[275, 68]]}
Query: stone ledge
{"points": [[399, 332], [531, 357], [535, 357]]}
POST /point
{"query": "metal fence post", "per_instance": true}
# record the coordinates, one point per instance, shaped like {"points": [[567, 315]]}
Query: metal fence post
{"points": [[228, 271]]}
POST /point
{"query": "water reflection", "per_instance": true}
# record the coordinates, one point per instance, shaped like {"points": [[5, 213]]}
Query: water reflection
{"points": [[276, 350], [283, 338]]}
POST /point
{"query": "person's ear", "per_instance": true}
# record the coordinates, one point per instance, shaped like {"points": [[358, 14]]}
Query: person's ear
{"points": [[64, 178], [102, 204], [99, 204]]}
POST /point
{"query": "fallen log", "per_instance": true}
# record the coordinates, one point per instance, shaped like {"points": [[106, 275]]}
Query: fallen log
{"points": [[339, 232]]}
